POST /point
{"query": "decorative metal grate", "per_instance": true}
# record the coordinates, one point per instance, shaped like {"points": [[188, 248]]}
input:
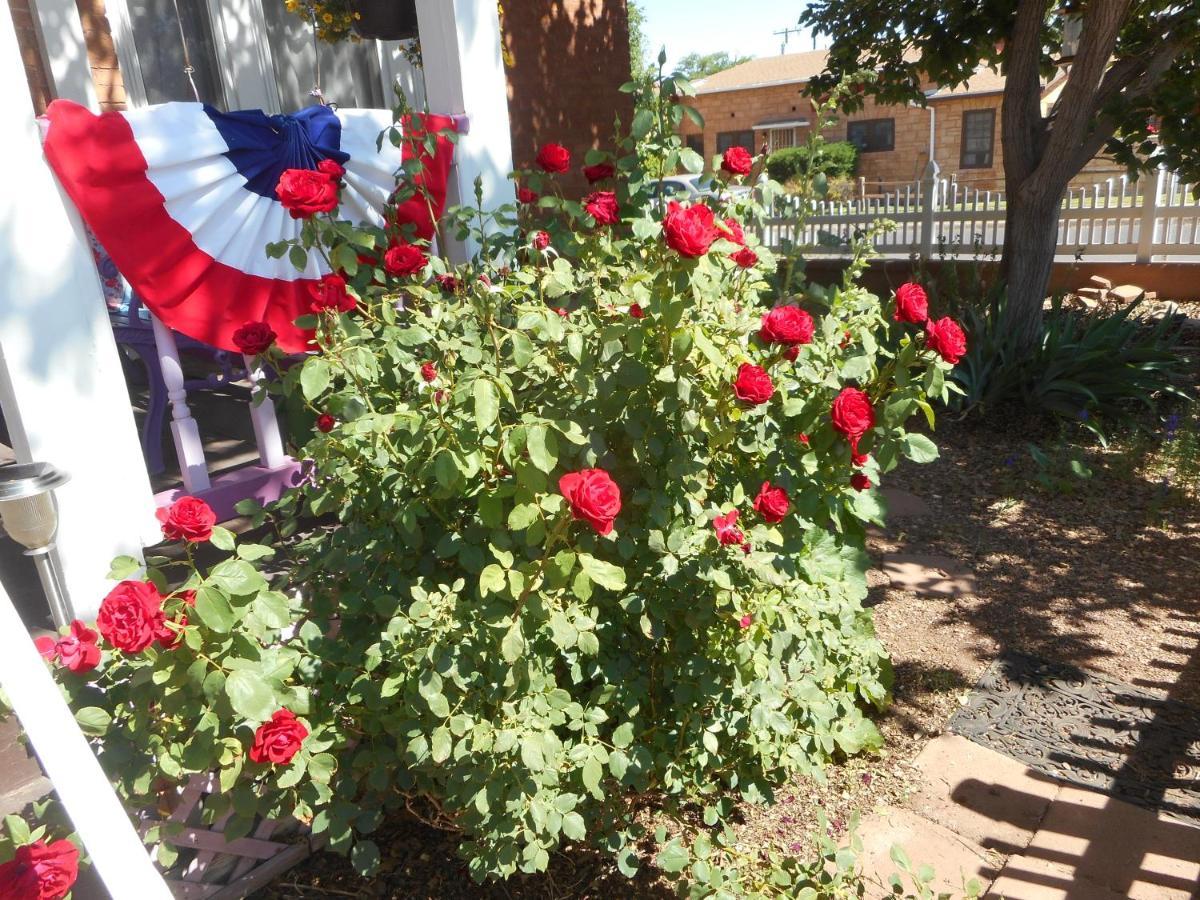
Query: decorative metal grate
{"points": [[1090, 731]]}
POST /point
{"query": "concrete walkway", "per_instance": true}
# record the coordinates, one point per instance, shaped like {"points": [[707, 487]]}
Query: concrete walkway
{"points": [[976, 814]]}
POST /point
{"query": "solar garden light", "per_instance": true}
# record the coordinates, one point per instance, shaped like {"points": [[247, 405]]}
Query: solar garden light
{"points": [[30, 516]]}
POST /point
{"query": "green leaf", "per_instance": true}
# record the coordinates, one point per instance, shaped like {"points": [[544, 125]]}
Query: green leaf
{"points": [[299, 256], [271, 607], [124, 567], [237, 577], [542, 444], [93, 720], [365, 858], [603, 573], [919, 448], [314, 378], [491, 580], [513, 645], [574, 827], [250, 695], [593, 771], [487, 403], [622, 737], [212, 606], [531, 755], [673, 857], [441, 744]]}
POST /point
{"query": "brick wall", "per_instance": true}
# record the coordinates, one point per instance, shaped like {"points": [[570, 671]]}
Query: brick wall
{"points": [[569, 59], [31, 54], [102, 55], [740, 110]]}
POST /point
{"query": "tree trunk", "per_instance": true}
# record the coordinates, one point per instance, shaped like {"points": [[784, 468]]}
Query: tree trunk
{"points": [[1030, 232]]}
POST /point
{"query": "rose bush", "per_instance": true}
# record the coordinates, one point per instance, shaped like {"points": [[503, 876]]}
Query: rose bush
{"points": [[600, 537]]}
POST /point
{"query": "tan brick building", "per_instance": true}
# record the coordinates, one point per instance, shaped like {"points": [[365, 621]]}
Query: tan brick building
{"points": [[762, 103]]}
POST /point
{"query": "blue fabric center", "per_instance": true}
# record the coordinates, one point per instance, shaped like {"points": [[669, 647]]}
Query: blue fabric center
{"points": [[263, 146]]}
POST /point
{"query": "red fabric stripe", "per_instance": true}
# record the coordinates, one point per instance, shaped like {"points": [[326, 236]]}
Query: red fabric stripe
{"points": [[103, 171], [434, 176]]}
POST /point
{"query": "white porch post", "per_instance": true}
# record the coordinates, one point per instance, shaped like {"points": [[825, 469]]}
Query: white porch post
{"points": [[62, 391], [464, 73], [62, 39]]}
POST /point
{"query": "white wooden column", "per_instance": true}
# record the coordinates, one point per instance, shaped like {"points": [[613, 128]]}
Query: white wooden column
{"points": [[464, 73], [61, 34], [62, 390]]}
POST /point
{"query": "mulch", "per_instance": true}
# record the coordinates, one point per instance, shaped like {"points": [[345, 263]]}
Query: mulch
{"points": [[1100, 574]]}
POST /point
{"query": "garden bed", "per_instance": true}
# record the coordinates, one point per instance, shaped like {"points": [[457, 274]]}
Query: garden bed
{"points": [[1097, 574]]}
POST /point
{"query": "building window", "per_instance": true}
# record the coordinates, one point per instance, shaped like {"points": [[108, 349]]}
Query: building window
{"points": [[727, 139], [978, 137], [872, 135], [781, 138], [160, 50], [694, 142]]}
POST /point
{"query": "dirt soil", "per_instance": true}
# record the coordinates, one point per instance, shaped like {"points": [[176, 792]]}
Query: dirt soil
{"points": [[1100, 573]]}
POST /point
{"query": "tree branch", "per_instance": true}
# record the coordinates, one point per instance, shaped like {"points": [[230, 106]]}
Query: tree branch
{"points": [[1021, 114]]}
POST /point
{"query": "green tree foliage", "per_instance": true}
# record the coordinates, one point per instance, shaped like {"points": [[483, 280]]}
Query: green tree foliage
{"points": [[834, 159], [697, 65], [1130, 90]]}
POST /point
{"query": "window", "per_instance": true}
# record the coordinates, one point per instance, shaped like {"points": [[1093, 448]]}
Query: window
{"points": [[727, 139], [978, 137], [780, 138], [872, 135], [694, 142], [160, 50]]}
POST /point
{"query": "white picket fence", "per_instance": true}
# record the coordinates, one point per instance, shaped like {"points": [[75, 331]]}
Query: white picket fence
{"points": [[1154, 218]]}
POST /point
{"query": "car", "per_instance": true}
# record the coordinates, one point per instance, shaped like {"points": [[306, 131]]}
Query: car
{"points": [[691, 188]]}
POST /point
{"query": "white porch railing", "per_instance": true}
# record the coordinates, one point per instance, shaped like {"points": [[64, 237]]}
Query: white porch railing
{"points": [[1154, 218]]}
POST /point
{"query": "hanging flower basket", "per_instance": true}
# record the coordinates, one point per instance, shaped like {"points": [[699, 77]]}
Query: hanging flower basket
{"points": [[385, 20]]}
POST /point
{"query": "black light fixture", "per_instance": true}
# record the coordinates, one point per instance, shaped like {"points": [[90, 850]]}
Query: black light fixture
{"points": [[386, 20]]}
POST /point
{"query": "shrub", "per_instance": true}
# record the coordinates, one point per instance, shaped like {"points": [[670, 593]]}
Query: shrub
{"points": [[834, 159], [1090, 367], [599, 543]]}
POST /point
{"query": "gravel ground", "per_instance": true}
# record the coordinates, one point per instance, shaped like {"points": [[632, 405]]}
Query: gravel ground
{"points": [[1098, 573]]}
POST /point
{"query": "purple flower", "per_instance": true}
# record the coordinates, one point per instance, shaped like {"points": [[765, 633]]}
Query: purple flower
{"points": [[1172, 426]]}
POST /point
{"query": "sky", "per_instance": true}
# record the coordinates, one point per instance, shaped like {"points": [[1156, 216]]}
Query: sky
{"points": [[705, 26]]}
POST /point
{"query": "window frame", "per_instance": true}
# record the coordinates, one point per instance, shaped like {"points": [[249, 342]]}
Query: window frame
{"points": [[872, 126], [964, 153], [695, 142]]}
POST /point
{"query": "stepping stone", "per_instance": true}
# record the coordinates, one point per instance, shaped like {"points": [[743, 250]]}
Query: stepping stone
{"points": [[1124, 848], [1028, 878], [1127, 293], [990, 799], [1102, 282], [955, 860], [903, 505], [928, 576]]}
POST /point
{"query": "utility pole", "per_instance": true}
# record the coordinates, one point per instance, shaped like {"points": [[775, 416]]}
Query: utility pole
{"points": [[786, 33]]}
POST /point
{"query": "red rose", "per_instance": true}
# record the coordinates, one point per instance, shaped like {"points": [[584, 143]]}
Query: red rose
{"points": [[188, 597], [792, 353], [727, 531], [429, 372], [405, 259], [788, 325], [326, 423], [946, 338], [304, 192], [736, 233], [554, 158], [852, 415], [772, 503], [330, 294], [187, 519], [448, 283], [278, 740], [130, 615], [254, 338], [40, 871], [753, 384], [594, 497], [860, 459], [599, 172], [635, 310], [602, 206], [332, 168], [859, 481], [689, 230], [911, 303], [745, 258], [562, 311], [737, 161], [526, 196], [745, 621], [802, 438], [541, 240], [77, 650]]}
